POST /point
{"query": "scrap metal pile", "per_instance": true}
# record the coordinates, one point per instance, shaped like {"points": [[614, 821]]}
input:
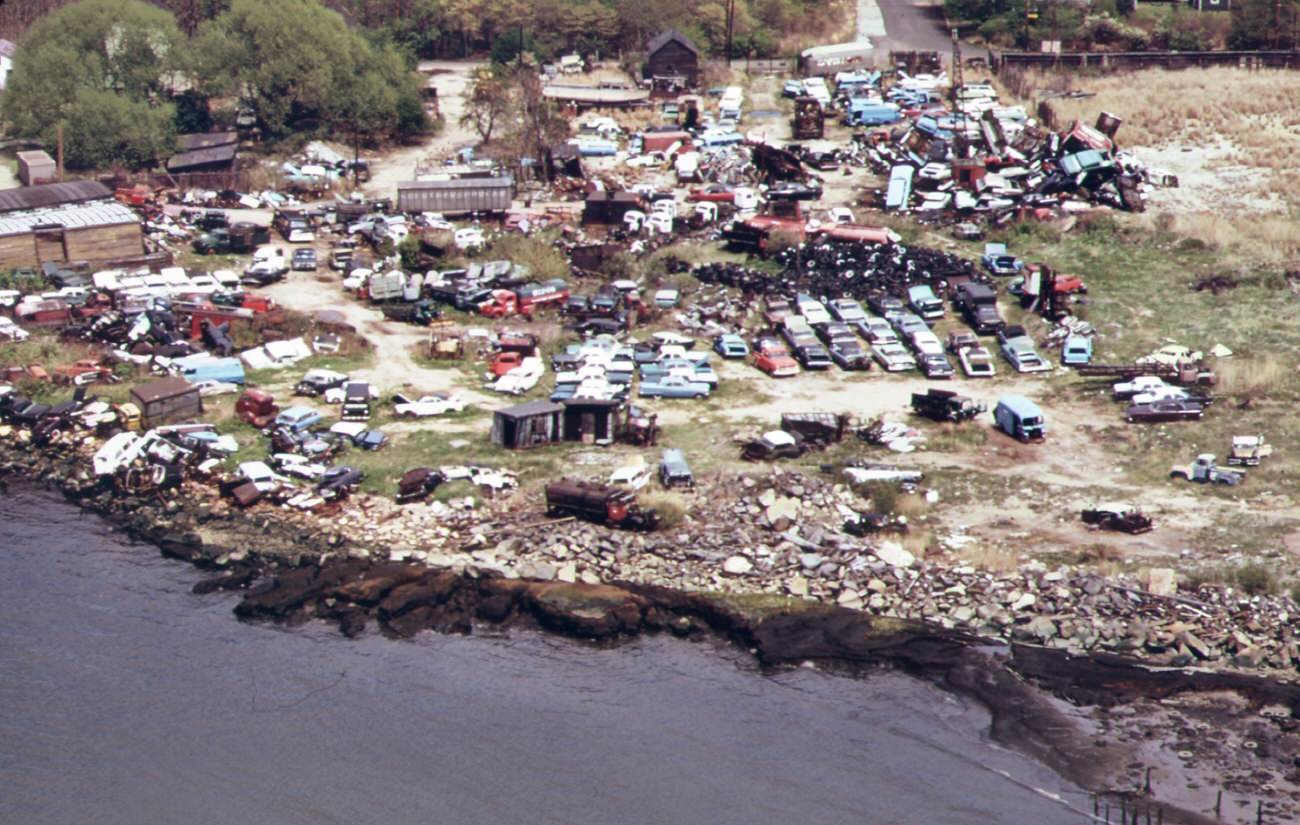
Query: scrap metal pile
{"points": [[845, 269], [988, 159]]}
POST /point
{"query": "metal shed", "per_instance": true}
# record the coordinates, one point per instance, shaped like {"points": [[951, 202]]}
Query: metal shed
{"points": [[456, 196], [36, 167], [530, 424], [166, 400]]}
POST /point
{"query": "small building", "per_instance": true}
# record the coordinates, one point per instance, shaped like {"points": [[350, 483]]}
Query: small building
{"points": [[591, 420], [606, 207], [1210, 5], [76, 221], [672, 60], [530, 424], [168, 399], [37, 167], [215, 159]]}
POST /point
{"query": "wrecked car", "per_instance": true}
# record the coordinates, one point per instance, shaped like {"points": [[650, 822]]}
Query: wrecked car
{"points": [[772, 445], [1119, 518]]}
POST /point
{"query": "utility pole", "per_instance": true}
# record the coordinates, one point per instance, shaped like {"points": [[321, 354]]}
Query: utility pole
{"points": [[959, 140], [731, 22]]}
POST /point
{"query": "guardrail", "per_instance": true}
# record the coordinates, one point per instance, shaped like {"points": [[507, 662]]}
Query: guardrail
{"points": [[1125, 61]]}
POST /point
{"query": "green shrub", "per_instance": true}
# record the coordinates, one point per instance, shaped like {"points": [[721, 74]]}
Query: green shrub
{"points": [[1256, 579]]}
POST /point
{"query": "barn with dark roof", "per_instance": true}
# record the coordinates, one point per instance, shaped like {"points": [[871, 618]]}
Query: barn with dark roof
{"points": [[672, 59]]}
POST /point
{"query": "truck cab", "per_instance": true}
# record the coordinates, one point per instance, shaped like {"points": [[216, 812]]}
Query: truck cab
{"points": [[922, 299], [256, 408], [356, 401]]}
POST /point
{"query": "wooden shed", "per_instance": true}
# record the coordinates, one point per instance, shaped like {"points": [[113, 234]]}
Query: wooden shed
{"points": [[530, 424], [671, 58], [606, 207], [64, 222], [36, 167], [591, 420], [168, 399]]}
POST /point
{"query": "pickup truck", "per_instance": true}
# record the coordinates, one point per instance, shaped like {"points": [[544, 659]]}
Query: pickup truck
{"points": [[1018, 348]]}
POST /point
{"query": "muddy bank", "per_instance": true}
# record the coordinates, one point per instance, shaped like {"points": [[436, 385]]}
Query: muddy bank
{"points": [[288, 575]]}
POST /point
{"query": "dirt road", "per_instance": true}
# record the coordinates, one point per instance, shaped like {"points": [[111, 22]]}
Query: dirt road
{"points": [[908, 24], [452, 80]]}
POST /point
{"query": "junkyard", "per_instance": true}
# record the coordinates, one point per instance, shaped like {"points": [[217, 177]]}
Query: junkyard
{"points": [[882, 331]]}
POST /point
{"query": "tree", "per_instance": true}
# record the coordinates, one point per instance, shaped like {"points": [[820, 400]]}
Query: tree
{"points": [[297, 63], [102, 128], [73, 62], [487, 103], [1263, 24]]}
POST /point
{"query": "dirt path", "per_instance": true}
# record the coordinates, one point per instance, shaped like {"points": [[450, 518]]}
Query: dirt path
{"points": [[452, 80], [395, 366]]}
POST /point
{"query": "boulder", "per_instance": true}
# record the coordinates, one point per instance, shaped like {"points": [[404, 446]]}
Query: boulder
{"points": [[737, 566], [893, 554]]}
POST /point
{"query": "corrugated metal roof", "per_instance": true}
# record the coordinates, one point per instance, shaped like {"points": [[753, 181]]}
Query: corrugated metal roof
{"points": [[205, 140], [52, 194], [504, 182], [73, 216], [531, 408], [591, 94], [202, 157], [164, 388]]}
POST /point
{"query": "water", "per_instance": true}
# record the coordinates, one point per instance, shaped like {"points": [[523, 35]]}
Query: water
{"points": [[126, 699]]}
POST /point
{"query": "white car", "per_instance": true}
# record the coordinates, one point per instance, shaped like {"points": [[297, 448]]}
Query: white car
{"points": [[298, 466], [631, 477], [9, 331], [471, 237], [428, 405], [212, 386], [435, 221], [1162, 393], [261, 475]]}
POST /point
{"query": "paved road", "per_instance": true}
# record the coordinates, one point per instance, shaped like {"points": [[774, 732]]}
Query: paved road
{"points": [[912, 25]]}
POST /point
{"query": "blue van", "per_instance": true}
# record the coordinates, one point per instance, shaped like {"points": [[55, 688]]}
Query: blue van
{"points": [[198, 368], [1020, 418], [867, 112], [899, 193]]}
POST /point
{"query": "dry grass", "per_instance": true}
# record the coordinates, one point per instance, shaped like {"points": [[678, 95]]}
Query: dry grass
{"points": [[1251, 377], [1159, 106], [1271, 239]]}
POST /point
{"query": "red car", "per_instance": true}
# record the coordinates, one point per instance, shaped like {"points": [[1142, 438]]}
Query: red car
{"points": [[771, 356], [713, 194]]}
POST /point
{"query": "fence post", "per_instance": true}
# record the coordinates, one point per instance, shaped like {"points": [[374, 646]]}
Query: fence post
{"points": [[1218, 804]]}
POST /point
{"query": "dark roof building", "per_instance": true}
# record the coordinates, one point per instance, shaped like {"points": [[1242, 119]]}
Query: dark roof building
{"points": [[671, 57], [530, 424], [213, 159], [166, 400]]}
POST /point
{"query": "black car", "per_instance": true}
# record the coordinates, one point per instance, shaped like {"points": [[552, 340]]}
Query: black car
{"points": [[304, 260], [794, 191], [848, 354], [813, 357], [600, 326], [339, 481], [884, 304], [577, 305], [935, 366]]}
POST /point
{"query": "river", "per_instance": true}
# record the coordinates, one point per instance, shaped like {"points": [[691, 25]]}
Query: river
{"points": [[126, 699]]}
